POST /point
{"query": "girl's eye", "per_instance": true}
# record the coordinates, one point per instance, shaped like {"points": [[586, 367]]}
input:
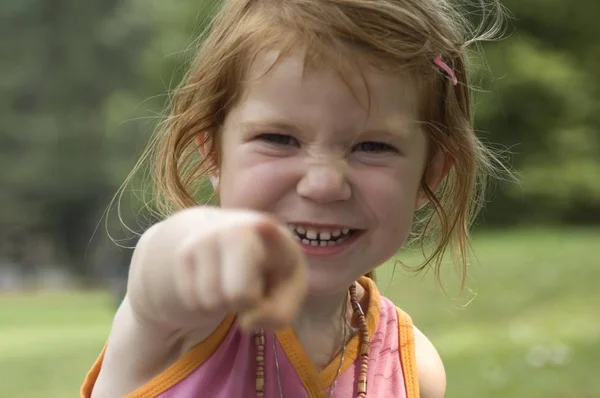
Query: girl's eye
{"points": [[278, 139], [374, 147]]}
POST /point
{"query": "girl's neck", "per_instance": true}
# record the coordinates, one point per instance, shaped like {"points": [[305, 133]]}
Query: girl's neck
{"points": [[320, 325]]}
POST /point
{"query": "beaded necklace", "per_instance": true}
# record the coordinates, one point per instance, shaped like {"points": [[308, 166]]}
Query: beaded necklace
{"points": [[359, 315]]}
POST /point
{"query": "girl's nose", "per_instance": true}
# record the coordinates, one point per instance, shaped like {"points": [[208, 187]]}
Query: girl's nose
{"points": [[324, 184]]}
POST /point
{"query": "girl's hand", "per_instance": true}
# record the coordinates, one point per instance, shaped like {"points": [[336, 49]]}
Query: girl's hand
{"points": [[191, 270]]}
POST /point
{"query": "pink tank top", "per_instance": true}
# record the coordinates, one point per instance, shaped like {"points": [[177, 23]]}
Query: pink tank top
{"points": [[224, 365]]}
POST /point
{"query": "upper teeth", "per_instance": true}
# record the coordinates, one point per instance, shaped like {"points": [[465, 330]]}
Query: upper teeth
{"points": [[319, 234]]}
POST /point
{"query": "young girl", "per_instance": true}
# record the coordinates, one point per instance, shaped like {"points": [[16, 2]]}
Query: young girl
{"points": [[323, 126]]}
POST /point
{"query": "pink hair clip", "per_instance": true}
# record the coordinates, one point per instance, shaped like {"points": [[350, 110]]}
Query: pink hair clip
{"points": [[443, 66]]}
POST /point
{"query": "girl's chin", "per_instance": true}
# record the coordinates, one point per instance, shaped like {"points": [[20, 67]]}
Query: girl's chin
{"points": [[329, 280]]}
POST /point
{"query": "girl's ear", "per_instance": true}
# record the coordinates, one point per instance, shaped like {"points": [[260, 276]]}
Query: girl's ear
{"points": [[435, 173], [204, 144]]}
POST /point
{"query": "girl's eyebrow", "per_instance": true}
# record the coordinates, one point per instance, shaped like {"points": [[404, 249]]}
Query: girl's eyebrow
{"points": [[398, 134], [272, 124], [394, 134]]}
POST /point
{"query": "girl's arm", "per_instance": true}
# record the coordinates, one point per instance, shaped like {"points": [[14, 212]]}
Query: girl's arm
{"points": [[135, 353], [140, 346], [187, 273]]}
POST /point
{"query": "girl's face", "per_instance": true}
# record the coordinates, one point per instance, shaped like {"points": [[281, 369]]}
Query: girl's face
{"points": [[304, 147]]}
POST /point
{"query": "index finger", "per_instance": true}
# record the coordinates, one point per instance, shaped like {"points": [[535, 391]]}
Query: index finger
{"points": [[286, 283]]}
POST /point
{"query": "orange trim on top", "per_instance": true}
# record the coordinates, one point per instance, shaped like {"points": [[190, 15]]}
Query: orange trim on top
{"points": [[299, 359], [408, 361], [175, 373], [316, 382], [92, 376], [186, 364]]}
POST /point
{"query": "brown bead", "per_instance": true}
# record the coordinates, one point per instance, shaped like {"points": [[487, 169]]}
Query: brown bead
{"points": [[362, 387], [260, 384]]}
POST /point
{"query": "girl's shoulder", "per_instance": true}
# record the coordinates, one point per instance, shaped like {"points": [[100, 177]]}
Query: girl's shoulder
{"points": [[420, 360], [430, 368]]}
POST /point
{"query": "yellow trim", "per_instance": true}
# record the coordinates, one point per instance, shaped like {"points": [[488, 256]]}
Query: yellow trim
{"points": [[298, 358], [314, 382], [92, 376], [406, 342], [175, 373]]}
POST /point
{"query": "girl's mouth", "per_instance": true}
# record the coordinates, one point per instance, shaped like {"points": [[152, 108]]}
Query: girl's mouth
{"points": [[320, 236]]}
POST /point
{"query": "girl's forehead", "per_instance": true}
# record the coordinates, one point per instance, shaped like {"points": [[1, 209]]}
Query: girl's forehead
{"points": [[290, 81]]}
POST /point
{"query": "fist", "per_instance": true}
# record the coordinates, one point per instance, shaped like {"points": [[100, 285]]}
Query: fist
{"points": [[241, 262]]}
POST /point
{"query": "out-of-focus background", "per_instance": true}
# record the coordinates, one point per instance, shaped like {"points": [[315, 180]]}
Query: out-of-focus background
{"points": [[83, 84]]}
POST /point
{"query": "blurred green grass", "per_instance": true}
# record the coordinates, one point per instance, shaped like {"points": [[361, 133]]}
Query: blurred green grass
{"points": [[528, 327]]}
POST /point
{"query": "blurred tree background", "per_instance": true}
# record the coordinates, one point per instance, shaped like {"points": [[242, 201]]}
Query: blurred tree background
{"points": [[85, 82]]}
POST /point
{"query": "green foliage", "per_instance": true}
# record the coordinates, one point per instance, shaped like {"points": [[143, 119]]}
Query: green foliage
{"points": [[86, 82], [542, 103]]}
